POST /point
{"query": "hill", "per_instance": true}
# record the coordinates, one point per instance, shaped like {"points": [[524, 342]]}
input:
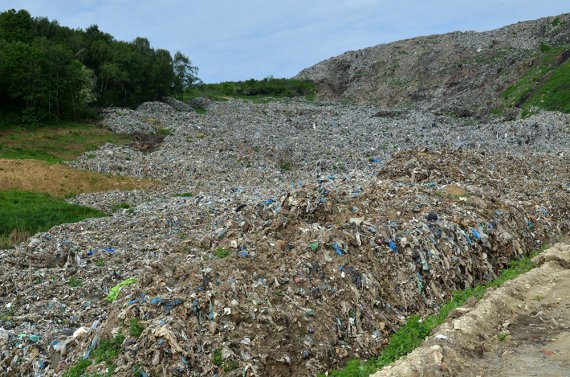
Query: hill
{"points": [[464, 73]]}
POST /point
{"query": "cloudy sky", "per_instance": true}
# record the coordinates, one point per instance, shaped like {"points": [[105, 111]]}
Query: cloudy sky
{"points": [[242, 39]]}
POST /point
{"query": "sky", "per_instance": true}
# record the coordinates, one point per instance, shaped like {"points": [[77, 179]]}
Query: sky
{"points": [[231, 40]]}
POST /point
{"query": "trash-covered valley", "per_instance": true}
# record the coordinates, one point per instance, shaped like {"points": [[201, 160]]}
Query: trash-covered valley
{"points": [[284, 238]]}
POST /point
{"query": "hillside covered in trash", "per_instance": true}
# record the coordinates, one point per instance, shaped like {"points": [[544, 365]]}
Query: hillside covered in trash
{"points": [[285, 239]]}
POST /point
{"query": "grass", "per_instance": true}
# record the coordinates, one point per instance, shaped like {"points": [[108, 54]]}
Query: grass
{"points": [[184, 195], [107, 351], [413, 333], [222, 253], [122, 205], [56, 142], [544, 85], [135, 328], [75, 282], [217, 357], [26, 213], [257, 90]]}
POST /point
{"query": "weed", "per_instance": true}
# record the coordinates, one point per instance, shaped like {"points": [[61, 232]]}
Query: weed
{"points": [[185, 195], [217, 357], [163, 132], [544, 47], [100, 263], [135, 328], [284, 166], [75, 282], [222, 253], [502, 336], [109, 349], [78, 370], [200, 109], [122, 205]]}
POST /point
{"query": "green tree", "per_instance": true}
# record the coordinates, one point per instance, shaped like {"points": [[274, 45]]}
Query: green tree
{"points": [[185, 74]]}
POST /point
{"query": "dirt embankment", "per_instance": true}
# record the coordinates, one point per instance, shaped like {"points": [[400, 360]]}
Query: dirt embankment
{"points": [[519, 329]]}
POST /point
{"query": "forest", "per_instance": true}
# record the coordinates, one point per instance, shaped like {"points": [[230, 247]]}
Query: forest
{"points": [[50, 72]]}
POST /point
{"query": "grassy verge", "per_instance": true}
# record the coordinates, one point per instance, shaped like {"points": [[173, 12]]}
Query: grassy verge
{"points": [[413, 333], [24, 213], [545, 84], [56, 142], [257, 90]]}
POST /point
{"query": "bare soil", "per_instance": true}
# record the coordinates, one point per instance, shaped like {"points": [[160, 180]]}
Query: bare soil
{"points": [[60, 180], [519, 329]]}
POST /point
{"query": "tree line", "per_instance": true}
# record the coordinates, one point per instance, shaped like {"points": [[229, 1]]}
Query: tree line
{"points": [[52, 72]]}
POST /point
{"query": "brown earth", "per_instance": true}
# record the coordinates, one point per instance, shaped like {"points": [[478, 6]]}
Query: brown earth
{"points": [[60, 180], [519, 329]]}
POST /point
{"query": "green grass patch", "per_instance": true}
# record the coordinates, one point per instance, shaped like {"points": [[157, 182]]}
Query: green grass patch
{"points": [[222, 253], [413, 333], [107, 351], [200, 109], [135, 328], [163, 132], [122, 205], [217, 357], [75, 282], [55, 142], [545, 84], [184, 195], [257, 90], [25, 213]]}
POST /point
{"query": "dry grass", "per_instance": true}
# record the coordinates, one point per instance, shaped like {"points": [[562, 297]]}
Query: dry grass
{"points": [[60, 180]]}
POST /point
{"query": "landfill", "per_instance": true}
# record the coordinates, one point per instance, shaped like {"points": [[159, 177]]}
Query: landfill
{"points": [[285, 239]]}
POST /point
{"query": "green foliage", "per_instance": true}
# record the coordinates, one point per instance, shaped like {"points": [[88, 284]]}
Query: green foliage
{"points": [[48, 71], [412, 334], [100, 263], [217, 357], [109, 349], [544, 47], [135, 328], [285, 166], [31, 212], [55, 143], [502, 336], [163, 132], [78, 370], [222, 253], [185, 195], [545, 84], [122, 205], [75, 282], [260, 90]]}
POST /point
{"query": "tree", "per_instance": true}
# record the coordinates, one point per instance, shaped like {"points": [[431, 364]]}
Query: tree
{"points": [[185, 74]]}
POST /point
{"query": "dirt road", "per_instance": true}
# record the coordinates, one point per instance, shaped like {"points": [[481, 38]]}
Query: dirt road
{"points": [[519, 329]]}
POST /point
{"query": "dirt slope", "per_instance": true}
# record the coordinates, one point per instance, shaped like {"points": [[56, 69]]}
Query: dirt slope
{"points": [[520, 329], [460, 72]]}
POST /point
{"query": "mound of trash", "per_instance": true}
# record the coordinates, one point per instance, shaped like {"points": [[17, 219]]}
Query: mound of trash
{"points": [[287, 286]]}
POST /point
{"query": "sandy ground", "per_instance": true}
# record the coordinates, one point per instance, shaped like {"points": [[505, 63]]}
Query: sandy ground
{"points": [[519, 329]]}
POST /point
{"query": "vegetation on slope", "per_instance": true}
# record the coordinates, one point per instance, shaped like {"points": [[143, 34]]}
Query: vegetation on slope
{"points": [[546, 83], [255, 89], [55, 142]]}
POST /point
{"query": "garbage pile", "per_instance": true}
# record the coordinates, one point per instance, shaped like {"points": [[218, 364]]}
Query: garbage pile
{"points": [[267, 146], [285, 282]]}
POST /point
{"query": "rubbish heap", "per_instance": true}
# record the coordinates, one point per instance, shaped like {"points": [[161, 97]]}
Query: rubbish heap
{"points": [[289, 281]]}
